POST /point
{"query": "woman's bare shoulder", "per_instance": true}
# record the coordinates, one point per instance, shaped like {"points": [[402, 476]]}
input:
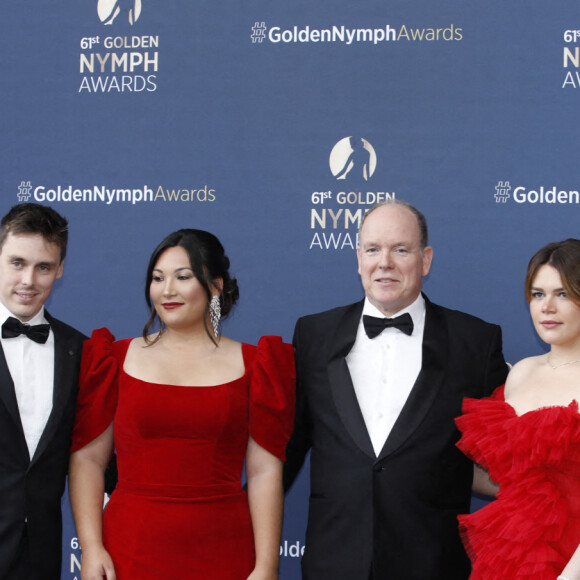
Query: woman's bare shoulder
{"points": [[521, 372]]}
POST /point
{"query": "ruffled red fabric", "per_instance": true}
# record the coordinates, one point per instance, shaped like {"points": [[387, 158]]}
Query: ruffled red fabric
{"points": [[272, 395], [533, 527], [98, 388]]}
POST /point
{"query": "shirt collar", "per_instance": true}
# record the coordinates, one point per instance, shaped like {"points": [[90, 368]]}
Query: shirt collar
{"points": [[415, 309], [38, 318]]}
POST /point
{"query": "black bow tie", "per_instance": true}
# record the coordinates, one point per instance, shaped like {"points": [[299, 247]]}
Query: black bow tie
{"points": [[374, 326], [13, 327]]}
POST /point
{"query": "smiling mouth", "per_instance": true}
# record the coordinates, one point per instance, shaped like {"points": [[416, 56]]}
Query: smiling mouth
{"points": [[26, 296], [171, 305]]}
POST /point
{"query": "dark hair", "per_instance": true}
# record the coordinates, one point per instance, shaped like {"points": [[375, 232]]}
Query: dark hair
{"points": [[208, 262], [33, 218], [421, 221], [565, 258]]}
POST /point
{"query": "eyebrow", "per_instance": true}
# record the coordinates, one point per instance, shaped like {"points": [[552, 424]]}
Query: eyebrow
{"points": [[394, 244], [537, 288], [176, 269]]}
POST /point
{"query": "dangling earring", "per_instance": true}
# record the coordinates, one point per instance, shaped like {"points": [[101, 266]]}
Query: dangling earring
{"points": [[215, 313]]}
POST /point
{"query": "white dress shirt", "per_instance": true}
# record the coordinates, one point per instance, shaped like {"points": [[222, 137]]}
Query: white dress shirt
{"points": [[31, 366], [384, 370]]}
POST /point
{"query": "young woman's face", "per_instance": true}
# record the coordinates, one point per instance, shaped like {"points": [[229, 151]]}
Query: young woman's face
{"points": [[177, 295], [555, 316]]}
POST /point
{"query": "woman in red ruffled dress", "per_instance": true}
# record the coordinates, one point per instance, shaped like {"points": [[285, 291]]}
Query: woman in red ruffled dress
{"points": [[183, 408], [526, 436]]}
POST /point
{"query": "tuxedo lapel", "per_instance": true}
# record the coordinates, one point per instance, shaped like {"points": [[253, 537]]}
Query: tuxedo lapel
{"points": [[428, 383], [65, 351], [8, 394], [341, 382]]}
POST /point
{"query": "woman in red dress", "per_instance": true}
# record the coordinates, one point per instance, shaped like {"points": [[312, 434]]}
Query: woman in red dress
{"points": [[184, 408], [526, 436]]}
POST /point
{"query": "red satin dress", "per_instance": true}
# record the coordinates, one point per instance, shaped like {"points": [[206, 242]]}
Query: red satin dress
{"points": [[179, 511], [533, 527]]}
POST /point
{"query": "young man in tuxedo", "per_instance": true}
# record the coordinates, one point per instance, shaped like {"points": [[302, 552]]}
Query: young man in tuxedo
{"points": [[379, 385], [39, 367]]}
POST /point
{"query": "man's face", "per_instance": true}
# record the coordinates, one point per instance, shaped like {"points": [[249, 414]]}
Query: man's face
{"points": [[390, 262], [28, 268]]}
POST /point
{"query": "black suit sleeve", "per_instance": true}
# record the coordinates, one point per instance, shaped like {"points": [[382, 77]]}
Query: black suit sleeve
{"points": [[497, 369], [301, 439]]}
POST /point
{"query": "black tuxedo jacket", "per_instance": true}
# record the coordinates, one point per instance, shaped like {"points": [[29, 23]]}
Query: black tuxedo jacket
{"points": [[31, 488], [393, 516]]}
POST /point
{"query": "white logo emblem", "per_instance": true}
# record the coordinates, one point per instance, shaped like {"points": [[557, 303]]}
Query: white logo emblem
{"points": [[353, 158], [108, 10]]}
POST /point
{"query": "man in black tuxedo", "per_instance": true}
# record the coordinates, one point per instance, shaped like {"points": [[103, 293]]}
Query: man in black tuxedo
{"points": [[379, 385], [39, 366]]}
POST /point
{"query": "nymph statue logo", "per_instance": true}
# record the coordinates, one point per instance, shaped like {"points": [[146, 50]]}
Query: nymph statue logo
{"points": [[353, 158], [109, 10]]}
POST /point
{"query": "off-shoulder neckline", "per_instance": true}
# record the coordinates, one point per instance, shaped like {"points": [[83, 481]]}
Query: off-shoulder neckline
{"points": [[572, 406]]}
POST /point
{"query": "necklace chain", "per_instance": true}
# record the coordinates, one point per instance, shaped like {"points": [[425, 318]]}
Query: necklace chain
{"points": [[571, 362]]}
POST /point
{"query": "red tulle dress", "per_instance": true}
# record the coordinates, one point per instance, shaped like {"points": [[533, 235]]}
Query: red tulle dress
{"points": [[179, 510], [533, 527]]}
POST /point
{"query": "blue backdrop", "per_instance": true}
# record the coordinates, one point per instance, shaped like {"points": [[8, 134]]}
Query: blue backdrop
{"points": [[135, 118]]}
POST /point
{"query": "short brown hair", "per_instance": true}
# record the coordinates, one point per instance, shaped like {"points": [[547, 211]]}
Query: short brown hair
{"points": [[33, 218]]}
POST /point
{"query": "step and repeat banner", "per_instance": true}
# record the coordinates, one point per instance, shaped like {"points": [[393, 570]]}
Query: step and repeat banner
{"points": [[276, 125]]}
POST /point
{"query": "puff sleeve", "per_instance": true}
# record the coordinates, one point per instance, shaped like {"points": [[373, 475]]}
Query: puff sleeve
{"points": [[273, 395], [98, 389]]}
